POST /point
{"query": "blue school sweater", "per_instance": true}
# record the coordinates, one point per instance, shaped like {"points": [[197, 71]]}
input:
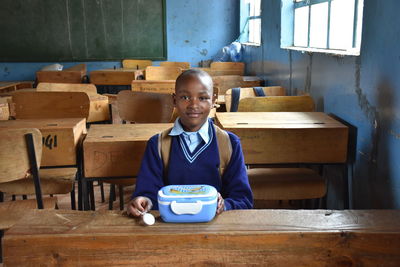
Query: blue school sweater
{"points": [[198, 167]]}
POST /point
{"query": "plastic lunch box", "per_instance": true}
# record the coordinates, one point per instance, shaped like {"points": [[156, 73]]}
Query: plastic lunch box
{"points": [[187, 203]]}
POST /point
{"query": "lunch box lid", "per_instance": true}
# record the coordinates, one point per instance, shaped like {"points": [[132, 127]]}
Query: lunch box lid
{"points": [[187, 192]]}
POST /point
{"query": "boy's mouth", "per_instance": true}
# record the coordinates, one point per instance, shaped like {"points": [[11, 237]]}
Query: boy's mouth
{"points": [[193, 114]]}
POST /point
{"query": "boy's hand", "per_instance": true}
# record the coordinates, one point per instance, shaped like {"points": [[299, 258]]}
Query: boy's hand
{"points": [[221, 204], [139, 205]]}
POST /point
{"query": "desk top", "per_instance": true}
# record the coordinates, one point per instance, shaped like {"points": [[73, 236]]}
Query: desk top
{"points": [[277, 120], [241, 237], [124, 132], [133, 70], [69, 222], [44, 124]]}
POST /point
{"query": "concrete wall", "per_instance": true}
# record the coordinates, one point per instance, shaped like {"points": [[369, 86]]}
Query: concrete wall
{"points": [[363, 91], [196, 30]]}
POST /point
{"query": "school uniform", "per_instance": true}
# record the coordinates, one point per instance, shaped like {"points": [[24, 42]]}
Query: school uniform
{"points": [[194, 159]]}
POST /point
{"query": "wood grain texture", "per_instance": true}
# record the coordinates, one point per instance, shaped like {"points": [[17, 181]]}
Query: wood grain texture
{"points": [[241, 237], [4, 109], [162, 73], [122, 76], [99, 109], [228, 66], [12, 211], [136, 63], [61, 137], [182, 65], [64, 76], [249, 92], [144, 107], [162, 86], [287, 137], [226, 82], [42, 105], [90, 89], [117, 150], [285, 183], [14, 161], [52, 181], [303, 103]]}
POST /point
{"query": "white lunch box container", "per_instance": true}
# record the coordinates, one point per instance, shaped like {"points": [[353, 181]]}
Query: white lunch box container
{"points": [[187, 203]]}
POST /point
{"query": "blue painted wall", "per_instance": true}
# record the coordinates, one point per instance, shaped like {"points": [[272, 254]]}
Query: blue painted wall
{"points": [[364, 91], [196, 30]]}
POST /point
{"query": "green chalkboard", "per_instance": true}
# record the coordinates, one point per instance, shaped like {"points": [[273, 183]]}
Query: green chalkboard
{"points": [[82, 30]]}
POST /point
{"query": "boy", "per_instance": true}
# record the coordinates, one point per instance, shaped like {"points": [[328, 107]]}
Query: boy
{"points": [[194, 157]]}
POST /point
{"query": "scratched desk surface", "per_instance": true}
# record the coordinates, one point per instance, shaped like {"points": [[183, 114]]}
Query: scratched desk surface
{"points": [[280, 237]]}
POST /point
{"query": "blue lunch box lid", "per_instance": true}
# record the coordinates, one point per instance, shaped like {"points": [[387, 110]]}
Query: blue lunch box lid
{"points": [[187, 193]]}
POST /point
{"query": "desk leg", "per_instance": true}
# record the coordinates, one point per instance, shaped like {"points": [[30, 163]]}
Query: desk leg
{"points": [[85, 195], [92, 200], [121, 197], [73, 204], [346, 191], [111, 197], [80, 193]]}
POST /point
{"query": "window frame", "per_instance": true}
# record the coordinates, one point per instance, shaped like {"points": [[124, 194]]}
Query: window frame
{"points": [[246, 25], [356, 38]]}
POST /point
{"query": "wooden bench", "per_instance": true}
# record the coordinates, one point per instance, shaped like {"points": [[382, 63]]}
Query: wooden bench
{"points": [[238, 237], [74, 74]]}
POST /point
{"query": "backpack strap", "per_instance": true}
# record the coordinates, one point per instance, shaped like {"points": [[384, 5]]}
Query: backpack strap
{"points": [[224, 148], [235, 99], [164, 148], [258, 91], [223, 141]]}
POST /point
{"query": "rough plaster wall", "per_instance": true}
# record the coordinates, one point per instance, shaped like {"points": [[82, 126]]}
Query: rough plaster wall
{"points": [[196, 30], [363, 91]]}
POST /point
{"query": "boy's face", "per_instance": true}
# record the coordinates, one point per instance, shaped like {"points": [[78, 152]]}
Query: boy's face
{"points": [[193, 102]]}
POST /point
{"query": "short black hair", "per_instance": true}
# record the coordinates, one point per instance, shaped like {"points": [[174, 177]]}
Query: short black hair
{"points": [[203, 77]]}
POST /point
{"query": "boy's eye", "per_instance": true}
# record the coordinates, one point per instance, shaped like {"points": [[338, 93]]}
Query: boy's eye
{"points": [[185, 97], [204, 98]]}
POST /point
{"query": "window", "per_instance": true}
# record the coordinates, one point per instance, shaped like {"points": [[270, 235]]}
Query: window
{"points": [[330, 26], [250, 22]]}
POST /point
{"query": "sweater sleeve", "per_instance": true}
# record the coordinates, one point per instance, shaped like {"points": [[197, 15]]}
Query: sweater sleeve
{"points": [[150, 176], [236, 190]]}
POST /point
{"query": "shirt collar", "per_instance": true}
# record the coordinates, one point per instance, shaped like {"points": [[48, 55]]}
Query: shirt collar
{"points": [[203, 131]]}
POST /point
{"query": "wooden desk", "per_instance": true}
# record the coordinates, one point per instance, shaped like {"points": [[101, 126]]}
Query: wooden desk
{"points": [[162, 86], [61, 138], [287, 137], [241, 237], [122, 76], [117, 149], [73, 74]]}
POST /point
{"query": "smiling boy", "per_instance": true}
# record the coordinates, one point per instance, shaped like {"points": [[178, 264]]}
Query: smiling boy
{"points": [[194, 156]]}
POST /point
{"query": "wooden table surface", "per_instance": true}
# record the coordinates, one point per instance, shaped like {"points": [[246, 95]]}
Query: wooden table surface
{"points": [[61, 138], [266, 237], [287, 137], [117, 149], [120, 76]]}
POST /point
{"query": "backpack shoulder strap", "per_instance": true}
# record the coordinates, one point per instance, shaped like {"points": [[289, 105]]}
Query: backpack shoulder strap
{"points": [[164, 147], [224, 148]]}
